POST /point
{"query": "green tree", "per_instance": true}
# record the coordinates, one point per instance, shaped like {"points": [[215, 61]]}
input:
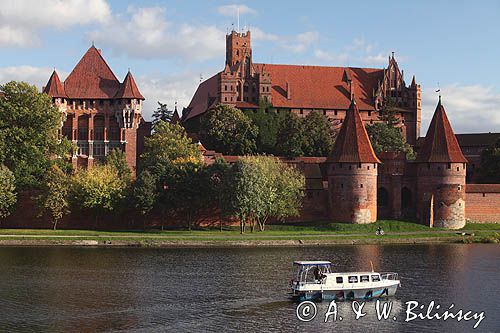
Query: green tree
{"points": [[489, 171], [218, 174], [28, 132], [54, 200], [263, 187], [387, 113], [116, 158], [267, 121], [319, 135], [384, 137], [228, 130], [99, 190], [162, 113], [8, 195], [145, 192], [290, 138], [169, 155]]}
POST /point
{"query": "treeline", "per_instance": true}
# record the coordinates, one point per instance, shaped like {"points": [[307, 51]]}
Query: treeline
{"points": [[172, 180], [234, 132]]}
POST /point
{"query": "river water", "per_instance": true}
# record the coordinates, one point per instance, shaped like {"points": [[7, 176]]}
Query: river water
{"points": [[233, 289]]}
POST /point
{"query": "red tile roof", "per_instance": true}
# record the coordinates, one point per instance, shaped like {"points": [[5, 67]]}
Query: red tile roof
{"points": [[128, 89], [320, 86], [54, 87], [201, 100], [92, 78], [316, 87], [353, 144], [440, 144]]}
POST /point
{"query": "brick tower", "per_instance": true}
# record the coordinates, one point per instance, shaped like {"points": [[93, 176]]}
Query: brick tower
{"points": [[352, 173], [441, 176], [100, 113]]}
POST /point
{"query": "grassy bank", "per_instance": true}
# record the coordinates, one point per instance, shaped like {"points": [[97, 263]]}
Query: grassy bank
{"points": [[311, 233]]}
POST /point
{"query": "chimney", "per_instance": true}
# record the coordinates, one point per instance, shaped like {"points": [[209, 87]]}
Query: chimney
{"points": [[288, 92]]}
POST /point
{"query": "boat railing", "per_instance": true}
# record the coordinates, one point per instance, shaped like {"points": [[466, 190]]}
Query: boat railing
{"points": [[389, 276]]}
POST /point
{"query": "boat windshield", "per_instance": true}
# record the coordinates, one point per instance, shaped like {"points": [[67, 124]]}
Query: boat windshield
{"points": [[313, 272]]}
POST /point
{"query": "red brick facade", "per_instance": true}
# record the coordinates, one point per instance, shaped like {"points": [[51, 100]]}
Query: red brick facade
{"points": [[303, 89], [101, 113]]}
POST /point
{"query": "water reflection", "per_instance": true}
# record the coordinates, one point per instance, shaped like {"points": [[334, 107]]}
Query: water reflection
{"points": [[229, 289]]}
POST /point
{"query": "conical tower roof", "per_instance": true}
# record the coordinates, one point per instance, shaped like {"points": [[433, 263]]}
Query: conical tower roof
{"points": [[92, 78], [353, 144], [440, 144], [54, 87], [128, 89]]}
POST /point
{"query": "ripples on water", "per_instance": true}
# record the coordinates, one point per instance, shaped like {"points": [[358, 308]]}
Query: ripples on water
{"points": [[230, 289]]}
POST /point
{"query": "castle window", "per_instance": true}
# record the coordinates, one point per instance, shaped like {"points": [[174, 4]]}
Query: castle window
{"points": [[484, 195], [225, 87], [449, 166], [368, 167], [225, 99], [335, 112], [231, 88], [371, 122], [361, 186], [359, 166], [341, 185], [369, 113], [301, 111], [324, 112], [458, 168], [350, 167], [231, 99]]}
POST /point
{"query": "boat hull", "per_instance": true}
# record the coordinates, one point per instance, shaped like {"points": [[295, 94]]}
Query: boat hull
{"points": [[346, 294]]}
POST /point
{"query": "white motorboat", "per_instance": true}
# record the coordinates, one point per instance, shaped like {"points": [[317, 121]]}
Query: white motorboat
{"points": [[315, 281]]}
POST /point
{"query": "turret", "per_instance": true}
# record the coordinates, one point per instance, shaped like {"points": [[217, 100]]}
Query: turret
{"points": [[441, 176], [352, 173]]}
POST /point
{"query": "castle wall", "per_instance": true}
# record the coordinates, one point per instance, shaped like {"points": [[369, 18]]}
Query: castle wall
{"points": [[353, 192], [441, 194], [482, 203]]}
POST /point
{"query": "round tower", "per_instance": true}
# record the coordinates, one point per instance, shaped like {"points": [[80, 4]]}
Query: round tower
{"points": [[441, 176], [352, 173]]}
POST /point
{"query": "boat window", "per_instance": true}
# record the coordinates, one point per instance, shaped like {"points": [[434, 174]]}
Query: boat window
{"points": [[353, 279], [364, 278], [375, 278], [340, 279]]}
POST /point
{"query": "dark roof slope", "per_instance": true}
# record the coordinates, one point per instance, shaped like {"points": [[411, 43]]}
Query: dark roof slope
{"points": [[353, 144], [128, 89], [440, 144], [92, 78]]}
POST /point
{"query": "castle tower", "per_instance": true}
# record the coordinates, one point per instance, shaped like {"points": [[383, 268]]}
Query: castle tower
{"points": [[352, 173], [238, 48], [441, 176]]}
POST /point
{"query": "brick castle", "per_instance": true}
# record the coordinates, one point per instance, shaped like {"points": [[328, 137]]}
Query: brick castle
{"points": [[351, 185], [101, 113]]}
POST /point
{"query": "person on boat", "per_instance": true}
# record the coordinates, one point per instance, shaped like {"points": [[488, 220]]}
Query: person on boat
{"points": [[379, 230], [318, 275]]}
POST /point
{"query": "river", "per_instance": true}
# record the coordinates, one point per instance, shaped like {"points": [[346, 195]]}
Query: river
{"points": [[63, 289]]}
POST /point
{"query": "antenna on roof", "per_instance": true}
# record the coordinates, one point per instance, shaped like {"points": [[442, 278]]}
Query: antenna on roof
{"points": [[93, 44], [238, 17], [201, 77]]}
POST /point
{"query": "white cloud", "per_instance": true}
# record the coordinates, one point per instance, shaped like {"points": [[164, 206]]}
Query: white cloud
{"points": [[330, 57], [147, 34], [232, 10], [259, 35], [376, 60], [178, 87], [21, 20], [38, 76], [472, 108], [300, 42]]}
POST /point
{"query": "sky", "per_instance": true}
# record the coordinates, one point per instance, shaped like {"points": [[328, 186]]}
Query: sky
{"points": [[170, 45]]}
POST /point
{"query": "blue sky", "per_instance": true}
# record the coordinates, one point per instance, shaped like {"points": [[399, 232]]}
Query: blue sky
{"points": [[169, 44]]}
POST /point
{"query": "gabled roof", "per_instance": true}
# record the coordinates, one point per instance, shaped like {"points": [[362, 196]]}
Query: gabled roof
{"points": [[440, 144], [175, 117], [353, 144], [313, 87], [322, 87], [201, 100], [128, 89], [92, 78], [54, 87]]}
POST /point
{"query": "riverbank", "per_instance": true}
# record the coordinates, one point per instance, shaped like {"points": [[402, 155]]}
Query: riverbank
{"points": [[310, 234]]}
